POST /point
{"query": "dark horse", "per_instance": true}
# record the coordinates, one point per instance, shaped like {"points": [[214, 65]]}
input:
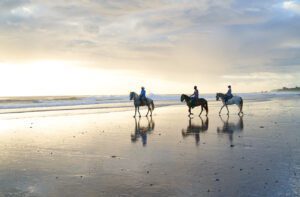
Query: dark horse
{"points": [[199, 102]]}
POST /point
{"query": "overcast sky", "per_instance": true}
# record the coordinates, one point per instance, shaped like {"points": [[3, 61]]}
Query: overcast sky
{"points": [[113, 47]]}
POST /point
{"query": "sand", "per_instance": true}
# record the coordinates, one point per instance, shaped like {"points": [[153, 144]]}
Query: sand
{"points": [[78, 153]]}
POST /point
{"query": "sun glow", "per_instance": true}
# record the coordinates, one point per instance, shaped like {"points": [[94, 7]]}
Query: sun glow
{"points": [[56, 78], [41, 78]]}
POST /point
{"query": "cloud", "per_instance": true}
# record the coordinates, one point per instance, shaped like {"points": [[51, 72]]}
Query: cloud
{"points": [[292, 5], [204, 39]]}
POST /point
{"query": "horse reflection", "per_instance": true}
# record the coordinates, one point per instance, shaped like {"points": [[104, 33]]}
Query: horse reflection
{"points": [[142, 131], [195, 129], [229, 127]]}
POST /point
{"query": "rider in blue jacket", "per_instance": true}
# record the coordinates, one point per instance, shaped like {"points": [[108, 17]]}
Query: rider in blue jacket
{"points": [[228, 94], [143, 94]]}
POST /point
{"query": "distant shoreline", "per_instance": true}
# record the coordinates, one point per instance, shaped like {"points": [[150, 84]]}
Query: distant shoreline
{"points": [[285, 89]]}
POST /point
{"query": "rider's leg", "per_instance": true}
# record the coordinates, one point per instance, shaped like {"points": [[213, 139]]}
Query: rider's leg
{"points": [[225, 98]]}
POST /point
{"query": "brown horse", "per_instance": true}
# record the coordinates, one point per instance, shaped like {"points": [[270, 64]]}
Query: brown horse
{"points": [[199, 102]]}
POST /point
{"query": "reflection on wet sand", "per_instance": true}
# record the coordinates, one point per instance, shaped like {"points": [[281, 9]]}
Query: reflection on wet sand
{"points": [[142, 131], [195, 129], [230, 127]]}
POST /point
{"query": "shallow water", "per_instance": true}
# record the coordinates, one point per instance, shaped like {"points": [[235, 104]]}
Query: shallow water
{"points": [[113, 154]]}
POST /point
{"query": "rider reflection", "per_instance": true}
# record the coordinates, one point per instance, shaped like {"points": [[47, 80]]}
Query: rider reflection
{"points": [[195, 129], [229, 127], [142, 131]]}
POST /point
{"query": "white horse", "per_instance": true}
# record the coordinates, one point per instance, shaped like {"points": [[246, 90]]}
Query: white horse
{"points": [[137, 103], [234, 100]]}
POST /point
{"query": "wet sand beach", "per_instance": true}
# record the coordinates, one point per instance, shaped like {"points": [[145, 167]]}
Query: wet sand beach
{"points": [[78, 153]]}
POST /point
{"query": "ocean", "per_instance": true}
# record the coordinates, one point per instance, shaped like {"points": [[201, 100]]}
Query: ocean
{"points": [[109, 103]]}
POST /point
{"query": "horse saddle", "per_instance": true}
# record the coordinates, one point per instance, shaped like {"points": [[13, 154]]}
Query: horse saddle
{"points": [[194, 102], [143, 101], [229, 100]]}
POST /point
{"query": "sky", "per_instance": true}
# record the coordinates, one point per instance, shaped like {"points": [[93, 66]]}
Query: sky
{"points": [[96, 47]]}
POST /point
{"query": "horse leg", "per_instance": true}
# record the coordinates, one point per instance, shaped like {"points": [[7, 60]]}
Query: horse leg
{"points": [[241, 108], [201, 111], [227, 110], [135, 112], [221, 109], [148, 111], [139, 111], [190, 111]]}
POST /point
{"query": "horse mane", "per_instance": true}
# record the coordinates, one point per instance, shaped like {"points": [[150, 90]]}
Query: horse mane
{"points": [[133, 93], [185, 96]]}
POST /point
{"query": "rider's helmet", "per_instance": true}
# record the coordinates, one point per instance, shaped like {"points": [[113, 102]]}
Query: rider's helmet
{"points": [[142, 87], [229, 86], [195, 87]]}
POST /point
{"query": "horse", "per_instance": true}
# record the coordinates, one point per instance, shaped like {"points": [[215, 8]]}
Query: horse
{"points": [[237, 100], [137, 103], [199, 102]]}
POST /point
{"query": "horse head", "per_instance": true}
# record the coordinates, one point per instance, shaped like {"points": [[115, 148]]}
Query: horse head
{"points": [[218, 95], [183, 97], [132, 95]]}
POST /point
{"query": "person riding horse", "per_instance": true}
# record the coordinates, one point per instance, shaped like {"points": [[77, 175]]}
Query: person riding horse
{"points": [[194, 96], [228, 94], [143, 95]]}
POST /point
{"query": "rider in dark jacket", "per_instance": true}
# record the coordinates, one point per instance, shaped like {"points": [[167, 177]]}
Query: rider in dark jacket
{"points": [[194, 96], [228, 94]]}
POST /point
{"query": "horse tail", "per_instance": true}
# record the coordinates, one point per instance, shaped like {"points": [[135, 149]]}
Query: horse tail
{"points": [[206, 106], [152, 104]]}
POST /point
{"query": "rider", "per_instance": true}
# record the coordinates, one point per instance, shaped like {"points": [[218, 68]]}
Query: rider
{"points": [[143, 95], [194, 96], [228, 94]]}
